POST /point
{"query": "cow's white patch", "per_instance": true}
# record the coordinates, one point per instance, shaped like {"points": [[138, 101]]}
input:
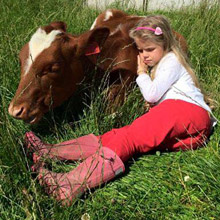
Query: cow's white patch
{"points": [[118, 28], [94, 24], [39, 42], [108, 14]]}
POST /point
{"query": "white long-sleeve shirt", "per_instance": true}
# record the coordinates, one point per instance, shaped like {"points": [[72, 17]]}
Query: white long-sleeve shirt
{"points": [[172, 81]]}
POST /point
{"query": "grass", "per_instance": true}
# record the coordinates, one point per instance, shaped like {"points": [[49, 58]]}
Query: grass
{"points": [[153, 186]]}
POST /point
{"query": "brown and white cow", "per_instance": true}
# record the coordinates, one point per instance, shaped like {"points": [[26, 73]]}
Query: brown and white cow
{"points": [[53, 62]]}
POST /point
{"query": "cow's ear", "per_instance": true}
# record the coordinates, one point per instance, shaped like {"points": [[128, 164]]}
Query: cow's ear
{"points": [[92, 41], [56, 25], [99, 36], [59, 25]]}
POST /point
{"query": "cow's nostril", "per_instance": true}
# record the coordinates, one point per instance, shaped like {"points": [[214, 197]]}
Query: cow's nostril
{"points": [[19, 112]]}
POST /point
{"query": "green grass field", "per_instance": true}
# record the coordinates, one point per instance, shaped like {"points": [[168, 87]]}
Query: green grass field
{"points": [[183, 185]]}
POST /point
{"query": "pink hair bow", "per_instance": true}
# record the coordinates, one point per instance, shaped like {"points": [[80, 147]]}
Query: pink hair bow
{"points": [[156, 31]]}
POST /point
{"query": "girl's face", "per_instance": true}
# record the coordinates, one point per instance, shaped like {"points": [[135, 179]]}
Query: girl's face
{"points": [[150, 53]]}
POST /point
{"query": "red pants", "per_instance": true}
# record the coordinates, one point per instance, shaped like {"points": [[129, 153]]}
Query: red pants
{"points": [[172, 125]]}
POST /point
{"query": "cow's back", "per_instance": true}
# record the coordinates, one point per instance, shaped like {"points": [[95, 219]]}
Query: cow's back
{"points": [[115, 19]]}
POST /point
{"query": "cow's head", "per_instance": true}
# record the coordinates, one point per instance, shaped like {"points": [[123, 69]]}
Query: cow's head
{"points": [[51, 68]]}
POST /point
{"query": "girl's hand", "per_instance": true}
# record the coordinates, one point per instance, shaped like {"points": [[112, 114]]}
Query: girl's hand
{"points": [[141, 66]]}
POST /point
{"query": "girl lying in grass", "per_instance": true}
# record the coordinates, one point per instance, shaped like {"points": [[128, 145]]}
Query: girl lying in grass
{"points": [[178, 120]]}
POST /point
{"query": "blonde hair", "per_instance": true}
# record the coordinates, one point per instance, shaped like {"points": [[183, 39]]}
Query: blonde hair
{"points": [[166, 40]]}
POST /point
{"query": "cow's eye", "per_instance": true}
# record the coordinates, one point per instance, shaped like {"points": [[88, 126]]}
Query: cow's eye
{"points": [[45, 72], [55, 67], [52, 68]]}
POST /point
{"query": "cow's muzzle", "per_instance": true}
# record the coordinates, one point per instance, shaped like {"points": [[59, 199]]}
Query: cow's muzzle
{"points": [[22, 112]]}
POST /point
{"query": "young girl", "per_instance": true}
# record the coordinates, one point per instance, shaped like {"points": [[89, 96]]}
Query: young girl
{"points": [[179, 119]]}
